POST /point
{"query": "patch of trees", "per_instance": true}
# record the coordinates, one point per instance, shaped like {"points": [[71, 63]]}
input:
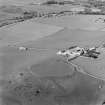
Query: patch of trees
{"points": [[28, 15], [51, 2], [91, 13], [95, 3]]}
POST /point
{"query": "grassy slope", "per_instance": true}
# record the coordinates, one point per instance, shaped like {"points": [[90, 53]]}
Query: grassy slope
{"points": [[51, 43], [86, 22], [26, 31], [48, 46]]}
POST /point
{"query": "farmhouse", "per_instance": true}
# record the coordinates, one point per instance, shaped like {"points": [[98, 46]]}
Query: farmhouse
{"points": [[95, 10]]}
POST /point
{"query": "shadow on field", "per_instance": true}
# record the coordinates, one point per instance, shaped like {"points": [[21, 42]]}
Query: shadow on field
{"points": [[52, 82]]}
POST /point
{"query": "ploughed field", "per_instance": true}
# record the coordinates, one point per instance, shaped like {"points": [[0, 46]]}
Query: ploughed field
{"points": [[38, 76]]}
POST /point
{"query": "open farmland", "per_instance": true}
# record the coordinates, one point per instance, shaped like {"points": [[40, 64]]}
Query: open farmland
{"points": [[49, 45], [43, 60], [26, 31], [37, 75], [86, 22]]}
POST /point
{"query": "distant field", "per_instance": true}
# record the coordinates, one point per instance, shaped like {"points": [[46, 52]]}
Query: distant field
{"points": [[86, 22], [26, 31], [5, 16]]}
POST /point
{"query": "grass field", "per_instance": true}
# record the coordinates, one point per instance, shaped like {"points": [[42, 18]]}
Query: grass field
{"points": [[86, 22], [61, 84], [26, 31]]}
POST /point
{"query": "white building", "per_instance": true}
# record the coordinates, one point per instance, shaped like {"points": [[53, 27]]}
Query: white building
{"points": [[23, 48], [95, 10], [78, 9]]}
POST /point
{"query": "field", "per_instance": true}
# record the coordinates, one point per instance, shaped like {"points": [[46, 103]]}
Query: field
{"points": [[38, 76]]}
